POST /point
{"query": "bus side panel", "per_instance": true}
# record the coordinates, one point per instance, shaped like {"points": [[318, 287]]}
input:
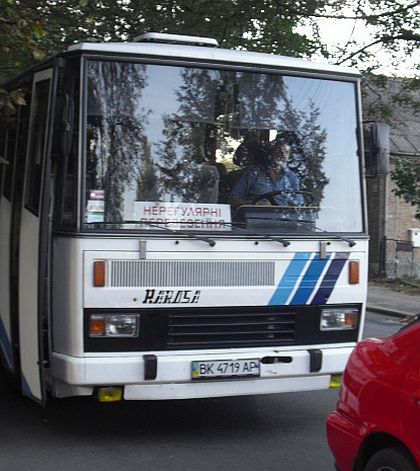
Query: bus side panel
{"points": [[5, 328], [67, 295], [28, 301]]}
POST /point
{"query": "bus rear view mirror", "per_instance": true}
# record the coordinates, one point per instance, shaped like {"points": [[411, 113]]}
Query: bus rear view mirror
{"points": [[377, 149]]}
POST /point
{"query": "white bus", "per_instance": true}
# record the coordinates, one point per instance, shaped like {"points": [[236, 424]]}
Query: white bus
{"points": [[150, 248]]}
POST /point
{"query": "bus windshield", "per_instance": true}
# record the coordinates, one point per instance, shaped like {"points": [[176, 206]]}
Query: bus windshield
{"points": [[207, 149]]}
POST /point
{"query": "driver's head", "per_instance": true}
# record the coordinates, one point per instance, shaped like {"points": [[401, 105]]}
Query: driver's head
{"points": [[278, 154]]}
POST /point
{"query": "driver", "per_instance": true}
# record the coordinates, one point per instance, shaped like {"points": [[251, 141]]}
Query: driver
{"points": [[269, 182]]}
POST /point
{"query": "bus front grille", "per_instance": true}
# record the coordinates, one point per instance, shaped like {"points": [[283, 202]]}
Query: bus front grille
{"points": [[232, 329], [190, 273]]}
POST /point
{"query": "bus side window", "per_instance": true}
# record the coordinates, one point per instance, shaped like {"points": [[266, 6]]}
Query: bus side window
{"points": [[66, 148], [37, 145]]}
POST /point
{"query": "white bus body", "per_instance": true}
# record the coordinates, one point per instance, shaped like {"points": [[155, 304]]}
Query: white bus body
{"points": [[125, 265]]}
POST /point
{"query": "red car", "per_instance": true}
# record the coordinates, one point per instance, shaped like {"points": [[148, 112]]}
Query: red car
{"points": [[377, 423]]}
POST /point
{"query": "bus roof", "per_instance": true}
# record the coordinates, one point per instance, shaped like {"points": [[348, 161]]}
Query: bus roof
{"points": [[210, 54]]}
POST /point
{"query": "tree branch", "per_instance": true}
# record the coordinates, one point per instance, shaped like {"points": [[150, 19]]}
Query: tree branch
{"points": [[385, 39], [356, 17]]}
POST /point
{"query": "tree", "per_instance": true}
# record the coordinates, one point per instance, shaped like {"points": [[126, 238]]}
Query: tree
{"points": [[33, 29], [21, 33], [117, 139], [407, 177], [308, 143]]}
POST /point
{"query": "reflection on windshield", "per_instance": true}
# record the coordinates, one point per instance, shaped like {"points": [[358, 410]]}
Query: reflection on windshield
{"points": [[204, 149]]}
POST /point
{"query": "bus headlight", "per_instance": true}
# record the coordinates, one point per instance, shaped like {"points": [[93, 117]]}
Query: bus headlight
{"points": [[114, 325], [339, 319]]}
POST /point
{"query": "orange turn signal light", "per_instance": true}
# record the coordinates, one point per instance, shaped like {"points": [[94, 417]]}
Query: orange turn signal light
{"points": [[354, 272], [351, 319], [99, 269], [96, 326]]}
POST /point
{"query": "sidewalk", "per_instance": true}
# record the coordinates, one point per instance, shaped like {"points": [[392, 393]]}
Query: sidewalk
{"points": [[383, 300]]}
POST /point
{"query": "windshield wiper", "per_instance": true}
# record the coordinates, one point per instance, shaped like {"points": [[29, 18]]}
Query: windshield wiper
{"points": [[209, 241], [351, 242]]}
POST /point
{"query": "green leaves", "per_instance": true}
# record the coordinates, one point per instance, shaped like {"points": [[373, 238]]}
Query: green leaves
{"points": [[21, 34], [45, 27], [407, 177], [9, 103]]}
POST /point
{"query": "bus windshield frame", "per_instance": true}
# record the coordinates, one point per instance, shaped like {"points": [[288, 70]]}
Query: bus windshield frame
{"points": [[189, 147]]}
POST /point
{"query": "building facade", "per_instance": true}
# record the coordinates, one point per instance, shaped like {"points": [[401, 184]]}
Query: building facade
{"points": [[393, 227]]}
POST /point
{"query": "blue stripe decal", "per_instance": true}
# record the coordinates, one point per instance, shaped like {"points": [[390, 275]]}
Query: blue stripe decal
{"points": [[330, 278], [310, 280], [289, 280], [6, 346]]}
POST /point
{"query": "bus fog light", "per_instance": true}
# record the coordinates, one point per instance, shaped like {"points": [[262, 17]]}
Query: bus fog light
{"points": [[335, 381], [114, 325], [112, 394], [339, 319]]}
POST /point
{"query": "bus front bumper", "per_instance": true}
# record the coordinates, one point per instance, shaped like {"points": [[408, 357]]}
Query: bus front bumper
{"points": [[173, 377]]}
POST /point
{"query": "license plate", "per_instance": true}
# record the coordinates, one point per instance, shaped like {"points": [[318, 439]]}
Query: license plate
{"points": [[225, 368]]}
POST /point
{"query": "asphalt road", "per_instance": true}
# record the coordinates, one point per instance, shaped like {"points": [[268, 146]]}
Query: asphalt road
{"points": [[275, 432]]}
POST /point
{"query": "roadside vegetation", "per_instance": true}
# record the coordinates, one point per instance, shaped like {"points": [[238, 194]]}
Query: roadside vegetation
{"points": [[403, 284]]}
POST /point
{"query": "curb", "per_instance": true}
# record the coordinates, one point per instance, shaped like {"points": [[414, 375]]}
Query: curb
{"points": [[389, 312]]}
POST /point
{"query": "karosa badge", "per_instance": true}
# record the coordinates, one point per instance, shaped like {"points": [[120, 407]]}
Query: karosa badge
{"points": [[168, 296]]}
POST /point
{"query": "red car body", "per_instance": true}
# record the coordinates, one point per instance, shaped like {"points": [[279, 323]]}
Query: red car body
{"points": [[379, 404]]}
